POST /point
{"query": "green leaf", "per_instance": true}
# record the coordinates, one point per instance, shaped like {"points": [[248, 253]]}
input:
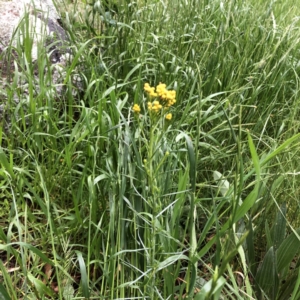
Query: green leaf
{"points": [[6, 165], [250, 248], [296, 292], [100, 177], [84, 277], [290, 289], [41, 288], [171, 260], [252, 197], [287, 251], [192, 158], [77, 57], [279, 149], [206, 290], [254, 156], [247, 203], [267, 275], [192, 279], [231, 254], [268, 235], [271, 155], [246, 206], [8, 290], [3, 293], [207, 228], [279, 228], [31, 248]]}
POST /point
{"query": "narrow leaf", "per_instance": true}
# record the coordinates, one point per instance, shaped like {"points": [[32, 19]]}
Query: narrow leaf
{"points": [[31, 248], [40, 286], [250, 248], [279, 149], [3, 293], [192, 160], [254, 156], [84, 277], [206, 290], [4, 162]]}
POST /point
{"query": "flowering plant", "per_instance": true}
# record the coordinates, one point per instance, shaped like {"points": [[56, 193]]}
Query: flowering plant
{"points": [[155, 153], [160, 99]]}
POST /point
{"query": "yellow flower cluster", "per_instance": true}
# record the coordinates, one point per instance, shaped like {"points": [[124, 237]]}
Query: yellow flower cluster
{"points": [[136, 108], [165, 98], [150, 90], [154, 106], [168, 117], [169, 97]]}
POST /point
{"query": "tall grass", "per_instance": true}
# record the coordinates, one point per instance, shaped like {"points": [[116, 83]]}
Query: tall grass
{"points": [[101, 202]]}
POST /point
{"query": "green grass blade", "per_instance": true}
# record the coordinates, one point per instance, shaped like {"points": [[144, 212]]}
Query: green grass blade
{"points": [[296, 287], [3, 293], [280, 149], [84, 277], [4, 162], [31, 248], [41, 288], [254, 157]]}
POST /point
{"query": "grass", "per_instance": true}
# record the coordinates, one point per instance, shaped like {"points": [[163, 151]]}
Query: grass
{"points": [[101, 202]]}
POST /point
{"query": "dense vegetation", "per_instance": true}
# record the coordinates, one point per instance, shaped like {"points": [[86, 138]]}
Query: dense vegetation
{"points": [[168, 167]]}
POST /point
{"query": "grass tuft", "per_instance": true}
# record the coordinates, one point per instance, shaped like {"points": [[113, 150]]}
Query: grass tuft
{"points": [[164, 165]]}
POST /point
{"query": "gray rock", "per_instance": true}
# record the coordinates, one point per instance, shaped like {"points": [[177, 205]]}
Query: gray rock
{"points": [[43, 21], [44, 28]]}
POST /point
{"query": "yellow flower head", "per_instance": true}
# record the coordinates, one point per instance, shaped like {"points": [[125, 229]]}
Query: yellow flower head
{"points": [[161, 89], [136, 108], [168, 117], [170, 102], [171, 95], [150, 90], [152, 93], [147, 87], [164, 98]]}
